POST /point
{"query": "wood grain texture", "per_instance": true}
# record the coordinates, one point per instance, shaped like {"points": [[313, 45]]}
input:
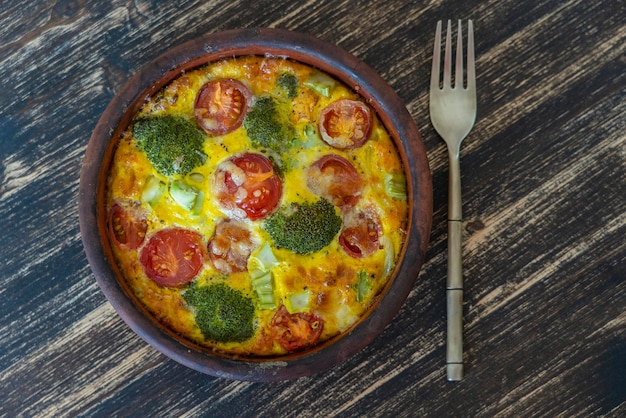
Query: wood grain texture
{"points": [[544, 190]]}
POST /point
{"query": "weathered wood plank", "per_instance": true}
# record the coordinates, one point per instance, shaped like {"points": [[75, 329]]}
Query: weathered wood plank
{"points": [[544, 189]]}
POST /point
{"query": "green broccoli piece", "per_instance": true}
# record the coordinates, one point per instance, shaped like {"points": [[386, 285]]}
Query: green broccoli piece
{"points": [[172, 144], [223, 314], [289, 83], [265, 126], [304, 227]]}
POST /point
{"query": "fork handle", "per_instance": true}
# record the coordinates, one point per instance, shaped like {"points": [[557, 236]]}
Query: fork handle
{"points": [[454, 285]]}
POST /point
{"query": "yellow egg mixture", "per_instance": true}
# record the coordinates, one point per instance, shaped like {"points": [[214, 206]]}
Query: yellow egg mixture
{"points": [[328, 279]]}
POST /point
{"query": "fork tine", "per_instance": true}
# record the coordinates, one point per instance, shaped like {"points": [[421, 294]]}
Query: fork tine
{"points": [[458, 75], [434, 74], [471, 74], [448, 57]]}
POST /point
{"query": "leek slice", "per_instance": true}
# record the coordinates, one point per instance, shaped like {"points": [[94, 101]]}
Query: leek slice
{"points": [[153, 189], [183, 194], [321, 83], [363, 286], [299, 302], [264, 287], [260, 265], [395, 185], [390, 254]]}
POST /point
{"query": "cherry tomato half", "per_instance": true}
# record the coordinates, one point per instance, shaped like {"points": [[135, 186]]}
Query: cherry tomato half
{"points": [[221, 106], [296, 331], [360, 234], [345, 124], [248, 182], [127, 226], [335, 178], [172, 257], [230, 247]]}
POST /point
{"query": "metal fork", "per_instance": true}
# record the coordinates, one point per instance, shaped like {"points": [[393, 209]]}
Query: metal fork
{"points": [[453, 112]]}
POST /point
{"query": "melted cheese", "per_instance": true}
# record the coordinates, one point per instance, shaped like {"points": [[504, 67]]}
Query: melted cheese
{"points": [[329, 276]]}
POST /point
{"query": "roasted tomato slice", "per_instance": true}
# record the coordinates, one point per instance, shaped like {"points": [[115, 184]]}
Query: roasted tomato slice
{"points": [[221, 106], [173, 257], [360, 234], [231, 246], [248, 186], [296, 331], [127, 226], [335, 178], [345, 124]]}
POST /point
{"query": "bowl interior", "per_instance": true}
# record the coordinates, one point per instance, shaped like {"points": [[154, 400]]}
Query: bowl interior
{"points": [[305, 49]]}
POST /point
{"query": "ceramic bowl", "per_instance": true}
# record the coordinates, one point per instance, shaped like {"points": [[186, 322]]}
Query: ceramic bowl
{"points": [[305, 49]]}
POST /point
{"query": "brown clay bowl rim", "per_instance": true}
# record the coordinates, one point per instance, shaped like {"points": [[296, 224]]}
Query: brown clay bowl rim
{"points": [[308, 50]]}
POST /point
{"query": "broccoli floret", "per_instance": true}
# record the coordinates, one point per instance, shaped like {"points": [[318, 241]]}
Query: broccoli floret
{"points": [[289, 83], [304, 227], [265, 126], [172, 144], [223, 314]]}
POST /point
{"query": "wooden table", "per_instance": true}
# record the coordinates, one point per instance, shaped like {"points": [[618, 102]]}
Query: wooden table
{"points": [[544, 191]]}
